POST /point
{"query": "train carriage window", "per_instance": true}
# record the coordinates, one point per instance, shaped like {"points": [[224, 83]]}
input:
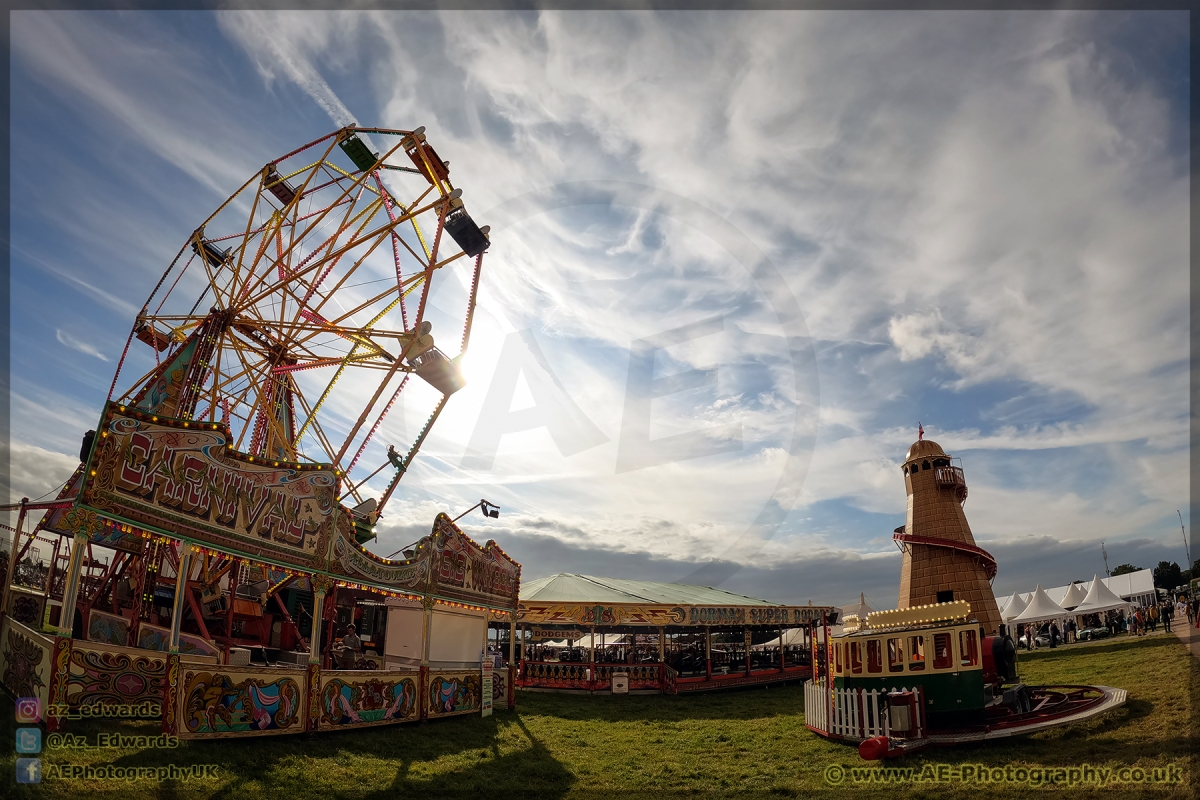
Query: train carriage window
{"points": [[942, 658], [837, 658], [968, 649], [916, 653], [874, 656], [856, 658], [895, 654]]}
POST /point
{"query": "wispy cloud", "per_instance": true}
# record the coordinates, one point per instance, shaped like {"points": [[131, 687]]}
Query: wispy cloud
{"points": [[66, 339], [983, 221]]}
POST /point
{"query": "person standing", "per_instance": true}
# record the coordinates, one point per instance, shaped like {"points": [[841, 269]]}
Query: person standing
{"points": [[1168, 613], [1053, 635]]}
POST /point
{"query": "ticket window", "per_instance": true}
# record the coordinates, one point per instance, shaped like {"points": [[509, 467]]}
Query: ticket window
{"points": [[895, 648], [916, 653], [856, 658], [968, 648], [943, 658], [875, 656]]}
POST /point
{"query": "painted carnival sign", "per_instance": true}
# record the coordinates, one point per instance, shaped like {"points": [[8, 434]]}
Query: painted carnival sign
{"points": [[350, 699], [356, 561], [150, 470], [75, 520], [243, 700], [462, 570], [659, 616], [181, 478], [454, 693]]}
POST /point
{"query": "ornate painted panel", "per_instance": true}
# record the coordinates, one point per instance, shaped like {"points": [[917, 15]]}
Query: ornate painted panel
{"points": [[500, 688], [25, 661], [102, 674], [107, 628], [452, 693], [359, 699], [181, 476], [220, 702], [26, 606], [152, 637]]}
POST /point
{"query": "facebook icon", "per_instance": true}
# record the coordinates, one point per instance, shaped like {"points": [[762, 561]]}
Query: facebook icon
{"points": [[29, 770]]}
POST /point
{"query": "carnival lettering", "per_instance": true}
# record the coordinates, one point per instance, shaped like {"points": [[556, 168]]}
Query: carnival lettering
{"points": [[767, 616], [488, 577], [165, 476], [452, 568], [396, 576], [717, 616]]}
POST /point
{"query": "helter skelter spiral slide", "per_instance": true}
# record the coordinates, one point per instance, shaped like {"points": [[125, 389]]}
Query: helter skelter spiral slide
{"points": [[296, 313]]}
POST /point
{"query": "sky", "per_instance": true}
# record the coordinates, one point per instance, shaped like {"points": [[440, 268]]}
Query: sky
{"points": [[736, 257]]}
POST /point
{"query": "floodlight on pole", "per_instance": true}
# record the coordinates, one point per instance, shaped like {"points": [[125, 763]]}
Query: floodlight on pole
{"points": [[1186, 550], [490, 510]]}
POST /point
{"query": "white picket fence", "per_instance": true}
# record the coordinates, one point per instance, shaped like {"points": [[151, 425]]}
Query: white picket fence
{"points": [[853, 713]]}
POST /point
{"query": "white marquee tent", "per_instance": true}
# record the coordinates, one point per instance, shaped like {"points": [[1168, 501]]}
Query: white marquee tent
{"points": [[1074, 596], [1099, 598], [861, 609], [1015, 606], [1040, 608]]}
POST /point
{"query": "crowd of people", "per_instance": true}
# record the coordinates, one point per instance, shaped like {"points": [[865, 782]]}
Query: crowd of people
{"points": [[1139, 622]]}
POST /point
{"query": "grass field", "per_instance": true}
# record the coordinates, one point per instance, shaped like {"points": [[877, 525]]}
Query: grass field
{"points": [[749, 743]]}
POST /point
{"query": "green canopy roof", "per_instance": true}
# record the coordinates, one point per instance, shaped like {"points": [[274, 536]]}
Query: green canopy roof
{"points": [[567, 587]]}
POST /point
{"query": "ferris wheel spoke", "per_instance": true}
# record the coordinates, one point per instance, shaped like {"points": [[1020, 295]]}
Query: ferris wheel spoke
{"points": [[333, 263], [320, 217], [319, 432], [266, 234], [466, 336], [371, 433], [373, 237], [371, 404], [213, 283], [312, 288], [412, 451]]}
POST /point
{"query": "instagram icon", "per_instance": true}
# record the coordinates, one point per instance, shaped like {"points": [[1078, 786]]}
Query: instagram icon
{"points": [[29, 710]]}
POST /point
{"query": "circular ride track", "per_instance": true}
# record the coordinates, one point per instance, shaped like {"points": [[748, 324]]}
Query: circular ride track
{"points": [[300, 309]]}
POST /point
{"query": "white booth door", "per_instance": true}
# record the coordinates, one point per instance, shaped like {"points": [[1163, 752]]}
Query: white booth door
{"points": [[457, 637]]}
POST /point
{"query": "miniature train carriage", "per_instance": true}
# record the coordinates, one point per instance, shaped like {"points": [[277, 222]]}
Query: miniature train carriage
{"points": [[900, 680], [934, 651]]}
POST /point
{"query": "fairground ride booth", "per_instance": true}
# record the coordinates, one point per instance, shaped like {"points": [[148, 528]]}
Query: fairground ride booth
{"points": [[586, 633], [221, 612]]}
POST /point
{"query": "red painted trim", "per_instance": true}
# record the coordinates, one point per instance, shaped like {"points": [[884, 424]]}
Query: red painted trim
{"points": [[988, 562], [424, 693]]}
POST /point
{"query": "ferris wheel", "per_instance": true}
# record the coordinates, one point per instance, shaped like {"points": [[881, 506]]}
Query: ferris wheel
{"points": [[298, 312]]}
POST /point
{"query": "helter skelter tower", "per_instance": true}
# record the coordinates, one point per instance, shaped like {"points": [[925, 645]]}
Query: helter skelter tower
{"points": [[941, 561]]}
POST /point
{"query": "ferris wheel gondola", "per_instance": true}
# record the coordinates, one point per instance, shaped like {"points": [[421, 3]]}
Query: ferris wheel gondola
{"points": [[298, 311]]}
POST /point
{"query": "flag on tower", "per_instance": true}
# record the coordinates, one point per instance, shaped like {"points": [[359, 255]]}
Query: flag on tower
{"points": [[920, 432]]}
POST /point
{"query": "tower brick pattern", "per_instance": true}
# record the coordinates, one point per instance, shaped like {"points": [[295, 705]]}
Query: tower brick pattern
{"points": [[957, 570]]}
